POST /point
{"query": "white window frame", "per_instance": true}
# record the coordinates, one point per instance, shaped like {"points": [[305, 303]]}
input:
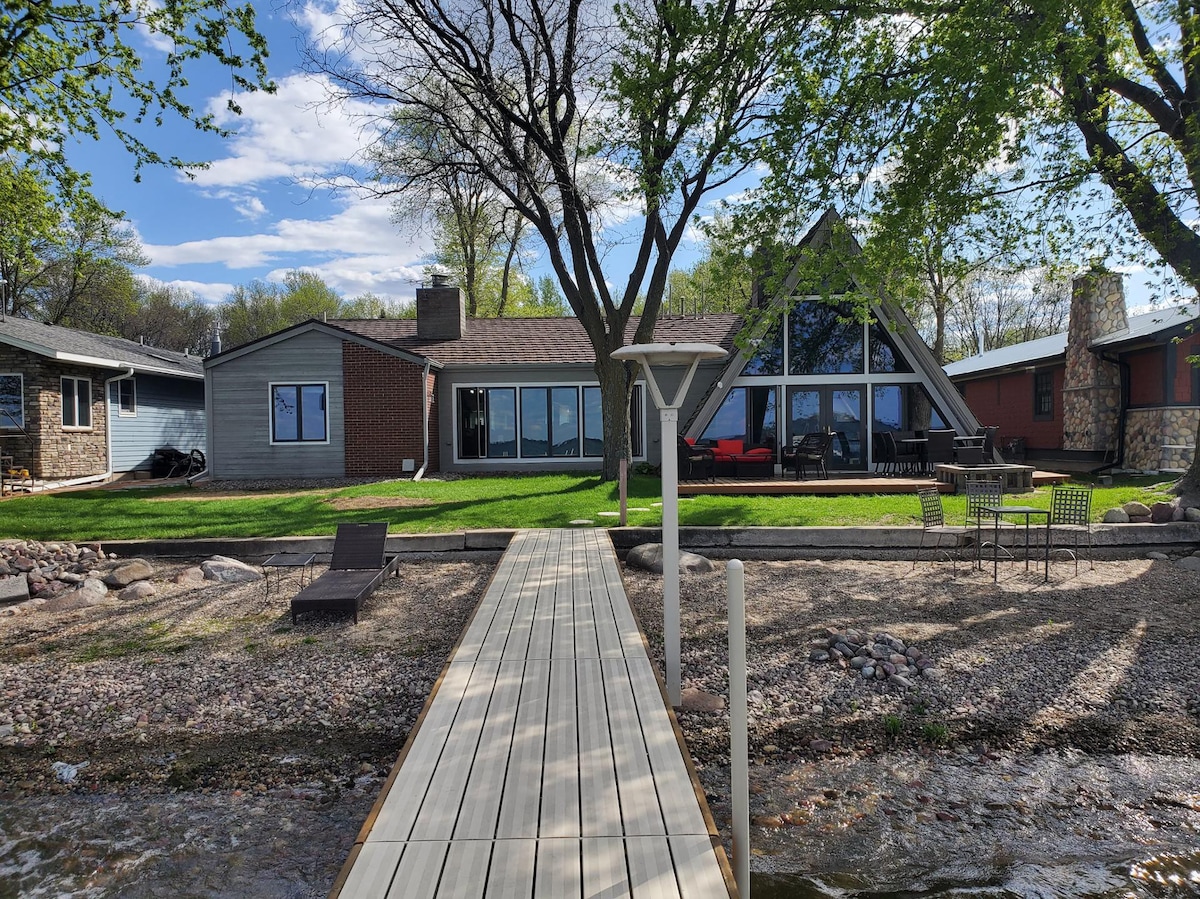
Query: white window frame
{"points": [[75, 408], [7, 424], [324, 385], [133, 410]]}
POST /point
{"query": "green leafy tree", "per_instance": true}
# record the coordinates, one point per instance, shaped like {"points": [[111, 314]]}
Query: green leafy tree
{"points": [[651, 100], [30, 231], [171, 318], [73, 69]]}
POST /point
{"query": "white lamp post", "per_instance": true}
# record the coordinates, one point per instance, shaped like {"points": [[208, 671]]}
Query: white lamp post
{"points": [[663, 355]]}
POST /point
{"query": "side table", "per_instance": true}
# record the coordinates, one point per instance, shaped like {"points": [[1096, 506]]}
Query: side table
{"points": [[278, 561]]}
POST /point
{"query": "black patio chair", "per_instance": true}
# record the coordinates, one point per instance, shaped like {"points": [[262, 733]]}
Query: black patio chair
{"points": [[811, 452], [695, 462], [358, 566], [933, 523], [940, 448], [1071, 521]]}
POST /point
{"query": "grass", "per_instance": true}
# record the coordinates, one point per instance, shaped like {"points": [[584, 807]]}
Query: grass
{"points": [[425, 507]]}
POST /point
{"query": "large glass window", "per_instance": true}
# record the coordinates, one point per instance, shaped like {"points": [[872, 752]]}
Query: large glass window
{"points": [[904, 407], [768, 358], [12, 401], [822, 339], [884, 355], [550, 422], [747, 414], [298, 413], [76, 403]]}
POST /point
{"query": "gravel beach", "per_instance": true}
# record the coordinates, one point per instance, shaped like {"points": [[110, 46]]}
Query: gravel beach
{"points": [[223, 752]]}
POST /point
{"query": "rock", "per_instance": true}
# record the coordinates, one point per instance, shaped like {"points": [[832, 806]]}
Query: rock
{"points": [[13, 589], [1191, 513], [818, 655], [92, 590], [868, 671], [858, 662], [900, 681], [229, 571], [1157, 556], [1191, 563], [1139, 519], [1160, 513], [820, 745], [1135, 509], [695, 700], [1177, 513], [128, 572], [1116, 516], [190, 576], [138, 590], [648, 557]]}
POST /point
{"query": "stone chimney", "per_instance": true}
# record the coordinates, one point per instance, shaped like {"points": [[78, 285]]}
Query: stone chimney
{"points": [[441, 310], [1092, 386]]}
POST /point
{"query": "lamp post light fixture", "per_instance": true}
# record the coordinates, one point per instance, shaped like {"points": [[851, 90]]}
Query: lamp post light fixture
{"points": [[664, 355]]}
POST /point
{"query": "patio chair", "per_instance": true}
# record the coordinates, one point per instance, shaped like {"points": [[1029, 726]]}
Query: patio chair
{"points": [[982, 493], [1071, 521], [358, 566], [989, 443], [933, 523], [811, 451], [880, 454], [940, 449], [905, 458], [696, 462]]}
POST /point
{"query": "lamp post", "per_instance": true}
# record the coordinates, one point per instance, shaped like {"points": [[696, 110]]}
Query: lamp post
{"points": [[665, 355]]}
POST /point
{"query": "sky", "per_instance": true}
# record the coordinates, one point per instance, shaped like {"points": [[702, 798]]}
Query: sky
{"points": [[261, 209]]}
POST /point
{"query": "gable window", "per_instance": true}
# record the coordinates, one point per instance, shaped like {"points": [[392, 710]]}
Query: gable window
{"points": [[298, 413], [12, 401], [1043, 395], [76, 403], [127, 397], [824, 339]]}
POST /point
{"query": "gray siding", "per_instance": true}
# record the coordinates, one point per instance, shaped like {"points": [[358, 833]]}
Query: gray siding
{"points": [[170, 412], [240, 410]]}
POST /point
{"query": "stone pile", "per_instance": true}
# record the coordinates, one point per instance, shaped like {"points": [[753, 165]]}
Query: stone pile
{"points": [[1159, 513], [37, 573], [880, 656]]}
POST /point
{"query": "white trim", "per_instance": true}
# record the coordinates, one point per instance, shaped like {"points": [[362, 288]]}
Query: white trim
{"points": [[5, 423], [271, 385], [132, 413], [518, 459], [91, 425]]}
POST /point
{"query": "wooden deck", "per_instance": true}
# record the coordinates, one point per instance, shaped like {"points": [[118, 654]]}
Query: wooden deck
{"points": [[839, 482], [545, 764]]}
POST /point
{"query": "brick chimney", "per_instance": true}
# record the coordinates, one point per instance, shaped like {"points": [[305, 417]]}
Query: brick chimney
{"points": [[1092, 386], [441, 310]]}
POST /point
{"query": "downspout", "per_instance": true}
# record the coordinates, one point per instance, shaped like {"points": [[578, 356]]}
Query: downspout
{"points": [[424, 421], [1119, 459], [108, 436]]}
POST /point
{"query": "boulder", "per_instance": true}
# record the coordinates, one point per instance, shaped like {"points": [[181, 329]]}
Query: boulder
{"points": [[1156, 556], [1191, 513], [1134, 509], [649, 557], [229, 571], [13, 589], [1191, 563], [92, 590], [1160, 513], [1116, 516], [128, 572], [138, 590], [190, 576], [695, 700]]}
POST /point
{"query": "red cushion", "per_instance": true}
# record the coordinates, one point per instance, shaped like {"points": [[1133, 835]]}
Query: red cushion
{"points": [[690, 441], [760, 451], [729, 446]]}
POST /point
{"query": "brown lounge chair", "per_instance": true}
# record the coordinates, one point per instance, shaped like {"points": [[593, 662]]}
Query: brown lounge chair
{"points": [[358, 566]]}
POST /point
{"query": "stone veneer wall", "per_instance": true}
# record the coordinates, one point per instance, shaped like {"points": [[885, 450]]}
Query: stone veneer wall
{"points": [[1091, 386], [54, 453], [1163, 437]]}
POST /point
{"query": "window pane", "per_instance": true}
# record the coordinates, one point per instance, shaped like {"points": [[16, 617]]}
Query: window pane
{"points": [[471, 443], [12, 405], [535, 422], [884, 355], [761, 417], [502, 423], [804, 412], [635, 421], [68, 402], [286, 406], [886, 411], [768, 359], [593, 423], [83, 403], [846, 406], [312, 412], [564, 421], [126, 398], [730, 421], [820, 342]]}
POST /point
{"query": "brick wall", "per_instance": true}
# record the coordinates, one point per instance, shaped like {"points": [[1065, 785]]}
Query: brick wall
{"points": [[382, 413], [1184, 370], [54, 453], [1007, 402], [1145, 377]]}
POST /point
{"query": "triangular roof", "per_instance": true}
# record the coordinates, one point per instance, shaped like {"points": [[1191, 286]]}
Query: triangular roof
{"points": [[1146, 328], [889, 314], [97, 350]]}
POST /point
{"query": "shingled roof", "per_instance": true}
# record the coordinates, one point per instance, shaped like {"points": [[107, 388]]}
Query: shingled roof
{"points": [[533, 341], [84, 348]]}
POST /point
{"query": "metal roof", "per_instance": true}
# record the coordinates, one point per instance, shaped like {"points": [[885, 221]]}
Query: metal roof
{"points": [[97, 350], [1139, 327]]}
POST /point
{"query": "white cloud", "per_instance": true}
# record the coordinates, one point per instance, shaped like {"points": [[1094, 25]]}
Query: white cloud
{"points": [[210, 292]]}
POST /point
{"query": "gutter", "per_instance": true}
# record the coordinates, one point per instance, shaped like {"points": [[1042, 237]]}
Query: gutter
{"points": [[424, 421], [1123, 367], [108, 435]]}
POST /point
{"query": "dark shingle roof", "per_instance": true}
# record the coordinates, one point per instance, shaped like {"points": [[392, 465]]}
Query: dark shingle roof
{"points": [[67, 344], [532, 341]]}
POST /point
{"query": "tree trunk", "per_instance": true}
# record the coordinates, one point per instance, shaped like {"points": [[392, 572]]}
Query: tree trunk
{"points": [[616, 386]]}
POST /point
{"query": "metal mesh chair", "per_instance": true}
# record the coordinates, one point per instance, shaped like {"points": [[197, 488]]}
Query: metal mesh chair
{"points": [[933, 523], [982, 493], [1071, 521]]}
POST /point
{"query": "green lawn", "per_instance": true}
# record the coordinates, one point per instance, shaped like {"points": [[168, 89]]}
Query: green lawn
{"points": [[471, 503]]}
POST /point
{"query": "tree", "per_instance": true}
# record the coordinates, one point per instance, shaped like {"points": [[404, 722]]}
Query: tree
{"points": [[171, 318], [70, 69], [30, 225], [546, 98], [998, 307]]}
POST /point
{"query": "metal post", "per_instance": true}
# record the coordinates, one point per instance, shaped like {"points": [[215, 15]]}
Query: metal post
{"points": [[623, 490], [739, 764], [669, 419]]}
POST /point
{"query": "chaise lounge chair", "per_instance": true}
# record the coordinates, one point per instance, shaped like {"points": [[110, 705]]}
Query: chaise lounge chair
{"points": [[358, 566]]}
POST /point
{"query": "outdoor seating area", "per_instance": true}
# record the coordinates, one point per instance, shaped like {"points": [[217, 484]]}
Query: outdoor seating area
{"points": [[358, 566]]}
